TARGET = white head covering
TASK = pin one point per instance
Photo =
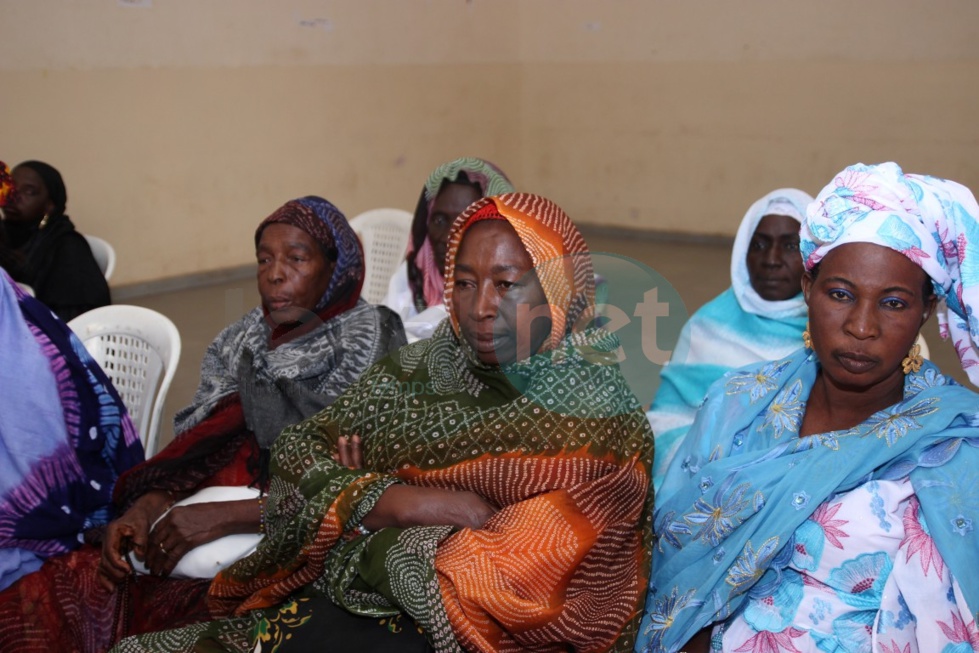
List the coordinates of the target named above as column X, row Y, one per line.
column 790, row 202
column 931, row 221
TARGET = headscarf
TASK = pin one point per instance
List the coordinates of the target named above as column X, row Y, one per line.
column 329, row 227
column 931, row 221
column 7, row 187
column 559, row 253
column 791, row 203
column 55, row 185
column 424, row 275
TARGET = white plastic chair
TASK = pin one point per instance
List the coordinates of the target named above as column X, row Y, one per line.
column 138, row 349
column 925, row 350
column 104, row 253
column 384, row 234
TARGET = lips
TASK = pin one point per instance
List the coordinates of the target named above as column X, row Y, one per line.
column 278, row 303
column 855, row 362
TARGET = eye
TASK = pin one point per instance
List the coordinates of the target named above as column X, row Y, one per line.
column 840, row 295
column 756, row 244
column 791, row 247
column 894, row 303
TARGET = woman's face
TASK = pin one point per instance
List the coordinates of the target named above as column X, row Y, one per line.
column 866, row 307
column 32, row 201
column 452, row 200
column 293, row 273
column 497, row 298
column 774, row 263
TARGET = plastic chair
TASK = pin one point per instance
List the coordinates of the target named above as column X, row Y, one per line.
column 384, row 234
column 138, row 349
column 104, row 253
column 925, row 350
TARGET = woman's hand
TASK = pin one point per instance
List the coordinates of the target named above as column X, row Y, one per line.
column 408, row 505
column 349, row 452
column 130, row 532
column 188, row 527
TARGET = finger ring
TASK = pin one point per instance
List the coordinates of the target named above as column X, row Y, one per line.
column 162, row 549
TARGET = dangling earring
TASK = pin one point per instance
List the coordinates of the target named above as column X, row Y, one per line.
column 914, row 360
column 44, row 221
column 807, row 338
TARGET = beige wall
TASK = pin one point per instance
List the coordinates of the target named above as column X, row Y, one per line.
column 179, row 125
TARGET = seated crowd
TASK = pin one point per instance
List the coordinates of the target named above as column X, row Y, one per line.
column 444, row 473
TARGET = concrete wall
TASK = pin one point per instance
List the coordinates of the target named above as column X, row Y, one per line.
column 180, row 124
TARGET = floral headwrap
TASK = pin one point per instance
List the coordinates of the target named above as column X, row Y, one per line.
column 329, row 227
column 933, row 222
column 561, row 257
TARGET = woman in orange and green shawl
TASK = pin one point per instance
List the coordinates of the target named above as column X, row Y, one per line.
column 488, row 487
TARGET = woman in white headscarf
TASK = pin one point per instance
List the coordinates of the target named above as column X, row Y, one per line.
column 760, row 317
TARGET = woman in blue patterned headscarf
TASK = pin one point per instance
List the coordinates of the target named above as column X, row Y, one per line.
column 830, row 500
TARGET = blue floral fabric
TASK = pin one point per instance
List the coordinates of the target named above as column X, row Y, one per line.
column 737, row 506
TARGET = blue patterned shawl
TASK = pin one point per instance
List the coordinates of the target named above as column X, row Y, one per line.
column 743, row 482
column 65, row 437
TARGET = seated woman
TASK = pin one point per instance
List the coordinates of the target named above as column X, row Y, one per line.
column 56, row 260
column 490, row 484
column 65, row 437
column 312, row 337
column 760, row 317
column 826, row 501
column 416, row 289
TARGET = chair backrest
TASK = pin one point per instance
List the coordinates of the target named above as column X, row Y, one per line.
column 384, row 234
column 104, row 253
column 925, row 349
column 138, row 349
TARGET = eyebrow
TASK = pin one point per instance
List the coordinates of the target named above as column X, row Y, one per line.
column 847, row 282
column 296, row 245
column 496, row 269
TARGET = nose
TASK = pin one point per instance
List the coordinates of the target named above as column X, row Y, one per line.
column 275, row 271
column 485, row 303
column 773, row 257
column 862, row 321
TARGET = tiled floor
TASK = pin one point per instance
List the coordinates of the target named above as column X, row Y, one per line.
column 698, row 271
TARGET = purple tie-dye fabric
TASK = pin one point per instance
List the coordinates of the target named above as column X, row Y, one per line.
column 65, row 437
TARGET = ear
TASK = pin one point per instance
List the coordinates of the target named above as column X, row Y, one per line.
column 807, row 282
column 930, row 303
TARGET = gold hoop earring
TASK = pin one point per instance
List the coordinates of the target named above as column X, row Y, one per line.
column 914, row 360
column 807, row 338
